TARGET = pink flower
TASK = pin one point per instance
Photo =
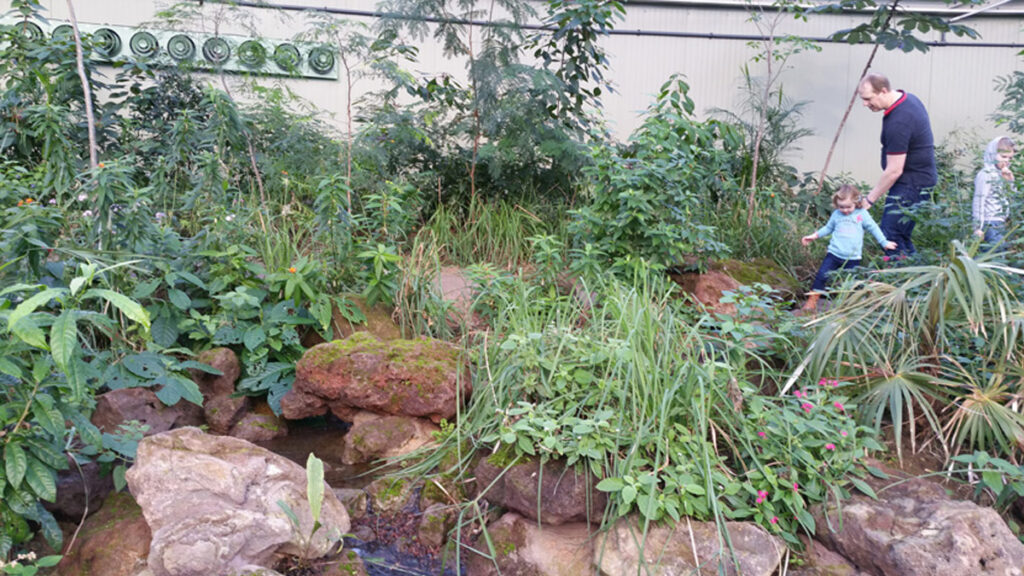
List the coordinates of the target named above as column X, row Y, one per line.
column 774, row 520
column 799, row 394
column 885, row 258
column 830, row 446
column 796, row 486
column 807, row 407
column 838, row 405
column 761, row 434
column 822, row 382
column 835, row 383
column 842, row 433
column 762, row 495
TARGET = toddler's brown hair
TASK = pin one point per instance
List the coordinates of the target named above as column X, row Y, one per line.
column 848, row 193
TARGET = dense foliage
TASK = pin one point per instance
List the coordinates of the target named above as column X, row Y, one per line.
column 208, row 222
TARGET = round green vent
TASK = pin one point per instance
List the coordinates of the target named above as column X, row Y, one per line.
column 252, row 54
column 106, row 43
column 216, row 50
column 144, row 44
column 31, row 31
column 63, row 33
column 287, row 57
column 321, row 60
column 181, row 47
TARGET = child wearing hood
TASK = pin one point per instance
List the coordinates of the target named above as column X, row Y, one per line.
column 991, row 189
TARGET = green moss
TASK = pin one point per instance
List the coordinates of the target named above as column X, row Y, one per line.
column 503, row 457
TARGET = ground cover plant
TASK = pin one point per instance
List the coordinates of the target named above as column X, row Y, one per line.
column 210, row 222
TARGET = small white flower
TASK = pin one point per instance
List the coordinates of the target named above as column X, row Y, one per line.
column 229, row 217
column 52, row 201
column 159, row 216
column 87, row 214
column 83, row 197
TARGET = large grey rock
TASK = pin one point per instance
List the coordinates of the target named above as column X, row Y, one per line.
column 688, row 547
column 423, row 378
column 565, row 495
column 212, row 503
column 915, row 529
column 376, row 437
column 521, row 548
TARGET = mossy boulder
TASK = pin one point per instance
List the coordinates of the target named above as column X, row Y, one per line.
column 378, row 437
column 545, row 491
column 388, row 496
column 763, row 271
column 113, row 542
column 425, row 378
column 522, row 548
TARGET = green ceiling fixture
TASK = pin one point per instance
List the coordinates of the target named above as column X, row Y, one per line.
column 197, row 50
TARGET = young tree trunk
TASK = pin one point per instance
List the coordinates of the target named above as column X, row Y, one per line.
column 90, row 118
column 853, row 98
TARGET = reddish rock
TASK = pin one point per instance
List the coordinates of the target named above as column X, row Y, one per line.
column 708, row 288
column 112, row 542
column 564, row 493
column 423, row 378
column 119, row 406
column 221, row 409
column 73, row 483
column 260, row 425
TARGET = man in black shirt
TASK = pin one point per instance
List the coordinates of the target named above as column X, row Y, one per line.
column 908, row 157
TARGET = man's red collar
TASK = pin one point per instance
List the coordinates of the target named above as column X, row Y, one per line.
column 896, row 103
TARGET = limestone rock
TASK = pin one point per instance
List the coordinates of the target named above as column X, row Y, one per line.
column 376, row 437
column 820, row 561
column 354, row 500
column 915, row 529
column 564, row 493
column 389, row 496
column 423, row 378
column 524, row 549
column 119, row 406
column 113, row 542
column 212, row 503
column 670, row 549
column 435, row 522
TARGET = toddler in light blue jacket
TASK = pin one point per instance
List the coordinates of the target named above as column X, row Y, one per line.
column 847, row 224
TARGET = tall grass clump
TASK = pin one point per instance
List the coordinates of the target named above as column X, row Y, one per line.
column 659, row 405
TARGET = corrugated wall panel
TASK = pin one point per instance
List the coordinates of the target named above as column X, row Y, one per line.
column 956, row 83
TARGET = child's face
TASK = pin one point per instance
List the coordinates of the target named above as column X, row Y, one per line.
column 1003, row 158
column 846, row 206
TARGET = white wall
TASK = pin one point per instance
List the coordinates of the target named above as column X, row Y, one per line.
column 955, row 83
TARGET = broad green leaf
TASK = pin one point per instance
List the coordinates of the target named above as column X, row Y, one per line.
column 64, row 339
column 628, row 494
column 49, row 561
column 30, row 333
column 145, row 365
column 76, row 284
column 47, row 416
column 179, row 299
column 49, row 527
column 611, row 485
column 15, row 463
column 863, row 487
column 31, row 304
column 165, row 330
column 41, row 479
column 315, row 485
column 130, row 308
column 10, row 368
column 175, row 387
column 993, row 479
column 254, row 337
column 119, row 479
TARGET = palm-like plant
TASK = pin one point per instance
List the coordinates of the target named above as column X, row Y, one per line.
column 899, row 334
